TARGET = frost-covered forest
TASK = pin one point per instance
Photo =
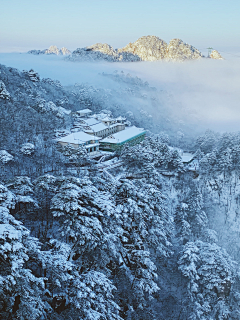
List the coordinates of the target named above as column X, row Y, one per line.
column 152, row 239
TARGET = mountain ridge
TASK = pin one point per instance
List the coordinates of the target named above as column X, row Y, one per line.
column 146, row 48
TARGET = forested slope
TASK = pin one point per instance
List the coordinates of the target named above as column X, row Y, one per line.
column 149, row 240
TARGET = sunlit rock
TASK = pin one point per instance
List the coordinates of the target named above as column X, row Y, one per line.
column 178, row 50
column 216, row 55
column 147, row 48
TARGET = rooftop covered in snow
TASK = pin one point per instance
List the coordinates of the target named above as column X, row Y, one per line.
column 97, row 127
column 187, row 157
column 78, row 137
column 91, row 121
column 84, row 111
column 124, row 135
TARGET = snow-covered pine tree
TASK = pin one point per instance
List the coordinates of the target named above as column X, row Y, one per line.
column 210, row 274
column 4, row 94
column 146, row 233
column 20, row 290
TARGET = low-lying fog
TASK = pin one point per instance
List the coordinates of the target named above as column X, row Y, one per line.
column 209, row 88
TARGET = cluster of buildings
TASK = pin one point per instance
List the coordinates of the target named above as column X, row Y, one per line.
column 100, row 132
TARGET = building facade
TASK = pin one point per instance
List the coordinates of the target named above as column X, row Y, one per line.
column 77, row 139
column 131, row 135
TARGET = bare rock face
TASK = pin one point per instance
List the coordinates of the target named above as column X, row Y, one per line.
column 177, row 50
column 147, row 48
column 216, row 55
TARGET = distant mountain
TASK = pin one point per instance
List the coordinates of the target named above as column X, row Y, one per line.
column 146, row 48
column 52, row 50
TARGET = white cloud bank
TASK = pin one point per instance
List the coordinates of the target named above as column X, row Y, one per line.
column 210, row 88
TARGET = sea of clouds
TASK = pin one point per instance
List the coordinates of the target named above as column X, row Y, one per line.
column 209, row 88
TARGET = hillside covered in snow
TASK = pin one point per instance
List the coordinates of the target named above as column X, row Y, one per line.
column 140, row 233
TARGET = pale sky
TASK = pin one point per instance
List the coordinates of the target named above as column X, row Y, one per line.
column 37, row 24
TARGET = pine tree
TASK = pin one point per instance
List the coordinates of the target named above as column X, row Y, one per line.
column 20, row 290
column 4, row 94
column 210, row 275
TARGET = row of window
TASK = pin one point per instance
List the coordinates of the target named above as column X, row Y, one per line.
column 92, row 149
column 108, row 131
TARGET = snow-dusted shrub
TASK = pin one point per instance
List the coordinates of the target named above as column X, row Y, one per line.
column 33, row 75
column 5, row 157
column 27, row 148
column 43, row 106
column 55, row 83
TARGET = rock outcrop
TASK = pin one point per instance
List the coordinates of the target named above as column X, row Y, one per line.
column 178, row 50
column 216, row 55
column 147, row 48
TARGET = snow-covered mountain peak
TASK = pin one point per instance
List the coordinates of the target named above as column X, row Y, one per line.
column 178, row 50
column 147, row 48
